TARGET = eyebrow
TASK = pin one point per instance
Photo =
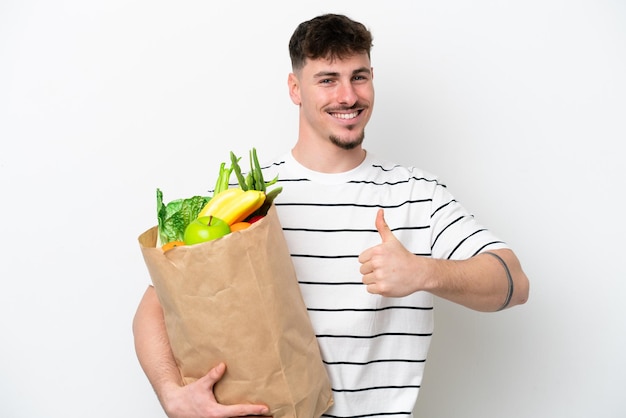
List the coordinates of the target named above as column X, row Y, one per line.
column 336, row 74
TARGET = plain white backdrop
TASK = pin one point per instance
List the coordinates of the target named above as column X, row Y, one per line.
column 518, row 106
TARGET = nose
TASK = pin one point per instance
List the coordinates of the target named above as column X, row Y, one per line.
column 346, row 94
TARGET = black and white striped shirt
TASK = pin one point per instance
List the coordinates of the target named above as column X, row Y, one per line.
column 374, row 347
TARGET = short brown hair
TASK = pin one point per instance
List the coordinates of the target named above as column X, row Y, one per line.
column 329, row 36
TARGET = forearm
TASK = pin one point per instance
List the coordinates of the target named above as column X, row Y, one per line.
column 481, row 282
column 152, row 345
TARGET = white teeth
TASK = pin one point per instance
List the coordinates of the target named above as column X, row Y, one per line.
column 346, row 115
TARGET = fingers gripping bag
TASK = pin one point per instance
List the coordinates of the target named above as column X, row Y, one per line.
column 236, row 300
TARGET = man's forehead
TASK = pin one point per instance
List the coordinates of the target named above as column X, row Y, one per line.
column 349, row 64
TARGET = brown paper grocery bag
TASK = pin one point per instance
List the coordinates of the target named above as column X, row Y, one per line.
column 236, row 299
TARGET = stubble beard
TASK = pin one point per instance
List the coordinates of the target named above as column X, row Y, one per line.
column 347, row 144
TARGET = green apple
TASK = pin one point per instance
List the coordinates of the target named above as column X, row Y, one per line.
column 205, row 228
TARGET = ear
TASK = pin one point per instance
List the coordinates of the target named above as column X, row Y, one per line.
column 294, row 89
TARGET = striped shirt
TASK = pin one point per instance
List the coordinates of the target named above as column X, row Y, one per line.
column 374, row 347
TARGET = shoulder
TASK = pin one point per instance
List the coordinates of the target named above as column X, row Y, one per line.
column 391, row 171
column 275, row 165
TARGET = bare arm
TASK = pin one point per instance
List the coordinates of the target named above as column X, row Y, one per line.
column 155, row 356
column 481, row 283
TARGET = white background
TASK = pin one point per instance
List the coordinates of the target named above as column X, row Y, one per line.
column 518, row 106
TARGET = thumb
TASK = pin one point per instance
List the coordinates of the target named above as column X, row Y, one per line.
column 382, row 227
column 215, row 374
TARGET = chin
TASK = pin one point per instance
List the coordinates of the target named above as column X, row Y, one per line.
column 348, row 144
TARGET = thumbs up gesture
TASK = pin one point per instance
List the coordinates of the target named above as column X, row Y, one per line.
column 388, row 268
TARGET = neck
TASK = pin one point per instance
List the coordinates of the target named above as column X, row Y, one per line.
column 328, row 158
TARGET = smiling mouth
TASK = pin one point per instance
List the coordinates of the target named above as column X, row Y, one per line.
column 345, row 116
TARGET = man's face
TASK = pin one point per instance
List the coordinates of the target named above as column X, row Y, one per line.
column 336, row 99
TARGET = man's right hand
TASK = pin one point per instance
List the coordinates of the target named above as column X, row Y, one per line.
column 196, row 400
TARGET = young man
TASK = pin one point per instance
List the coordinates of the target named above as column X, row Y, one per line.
column 371, row 242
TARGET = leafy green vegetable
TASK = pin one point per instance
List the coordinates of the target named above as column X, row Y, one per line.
column 174, row 217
